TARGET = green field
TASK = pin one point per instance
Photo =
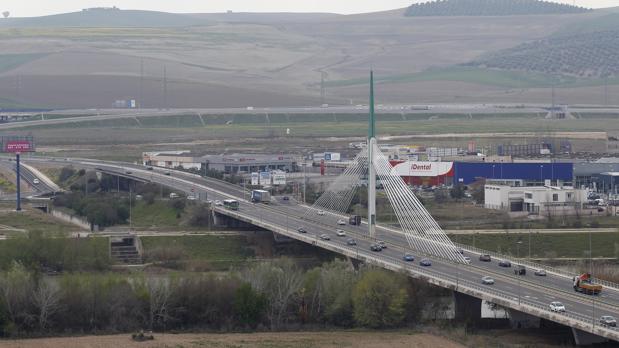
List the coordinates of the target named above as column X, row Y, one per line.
column 128, row 131
column 11, row 61
column 34, row 221
column 565, row 245
column 154, row 216
column 499, row 78
column 203, row 252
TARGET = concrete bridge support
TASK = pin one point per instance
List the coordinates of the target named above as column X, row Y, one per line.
column 583, row 338
column 468, row 308
column 520, row 320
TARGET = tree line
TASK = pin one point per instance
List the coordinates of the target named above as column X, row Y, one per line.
column 589, row 55
column 490, row 8
column 269, row 296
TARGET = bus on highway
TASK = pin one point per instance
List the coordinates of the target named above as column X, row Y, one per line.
column 231, row 204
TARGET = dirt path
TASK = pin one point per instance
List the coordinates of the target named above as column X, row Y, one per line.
column 257, row 340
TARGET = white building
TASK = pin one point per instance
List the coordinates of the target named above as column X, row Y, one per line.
column 171, row 159
column 538, row 200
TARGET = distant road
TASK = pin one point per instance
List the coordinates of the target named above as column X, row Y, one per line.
column 536, row 230
column 111, row 114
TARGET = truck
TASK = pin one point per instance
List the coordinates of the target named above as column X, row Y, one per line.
column 354, row 220
column 260, row 196
column 582, row 283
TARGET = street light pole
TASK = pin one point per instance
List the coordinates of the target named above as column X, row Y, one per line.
column 518, row 270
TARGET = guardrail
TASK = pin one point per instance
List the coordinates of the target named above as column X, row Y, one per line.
column 534, row 265
column 439, row 278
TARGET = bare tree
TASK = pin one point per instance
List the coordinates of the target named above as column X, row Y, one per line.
column 159, row 293
column 15, row 288
column 46, row 298
column 280, row 281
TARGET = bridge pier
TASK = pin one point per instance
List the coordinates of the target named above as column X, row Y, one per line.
column 583, row 338
column 520, row 320
column 468, row 308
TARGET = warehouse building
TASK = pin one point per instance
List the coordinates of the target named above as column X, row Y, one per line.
column 587, row 174
column 171, row 159
column 230, row 164
column 250, row 163
column 465, row 173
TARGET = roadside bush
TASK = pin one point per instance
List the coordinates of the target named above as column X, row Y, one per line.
column 249, row 306
column 379, row 300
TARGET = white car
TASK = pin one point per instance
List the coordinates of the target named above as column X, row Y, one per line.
column 36, row 181
column 487, row 280
column 340, row 233
column 321, row 212
column 218, row 203
column 341, row 222
column 557, row 306
column 467, row 259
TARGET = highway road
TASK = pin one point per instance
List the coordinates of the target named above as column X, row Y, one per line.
column 112, row 114
column 38, row 185
column 531, row 294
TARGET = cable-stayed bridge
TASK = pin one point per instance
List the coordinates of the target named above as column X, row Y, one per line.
column 453, row 266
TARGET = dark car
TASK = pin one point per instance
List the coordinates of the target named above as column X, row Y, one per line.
column 376, row 247
column 301, row 230
column 485, row 258
column 166, row 173
column 608, row 320
column 505, row 263
column 520, row 270
column 382, row 244
column 425, row 262
column 351, row 242
column 128, row 172
column 325, row 236
column 149, row 168
column 408, row 257
column 286, row 198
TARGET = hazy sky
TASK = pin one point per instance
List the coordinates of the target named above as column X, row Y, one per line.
column 26, row 8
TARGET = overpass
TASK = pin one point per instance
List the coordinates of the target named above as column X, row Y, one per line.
column 528, row 294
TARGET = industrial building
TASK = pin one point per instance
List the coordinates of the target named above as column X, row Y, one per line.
column 539, row 200
column 607, row 183
column 230, row 164
column 171, row 159
column 588, row 174
column 465, row 173
column 250, row 163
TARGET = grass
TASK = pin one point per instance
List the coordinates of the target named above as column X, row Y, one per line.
column 499, row 78
column 546, row 245
column 132, row 133
column 157, row 215
column 208, row 251
column 34, row 221
column 11, row 61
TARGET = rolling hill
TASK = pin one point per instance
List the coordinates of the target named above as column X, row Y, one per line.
column 83, row 59
column 586, row 55
column 490, row 8
column 106, row 18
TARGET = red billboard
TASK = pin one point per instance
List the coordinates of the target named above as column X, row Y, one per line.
column 18, row 146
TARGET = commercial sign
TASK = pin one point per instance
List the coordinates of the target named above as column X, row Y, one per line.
column 279, row 178
column 255, row 179
column 17, row 144
column 429, row 169
column 265, row 178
